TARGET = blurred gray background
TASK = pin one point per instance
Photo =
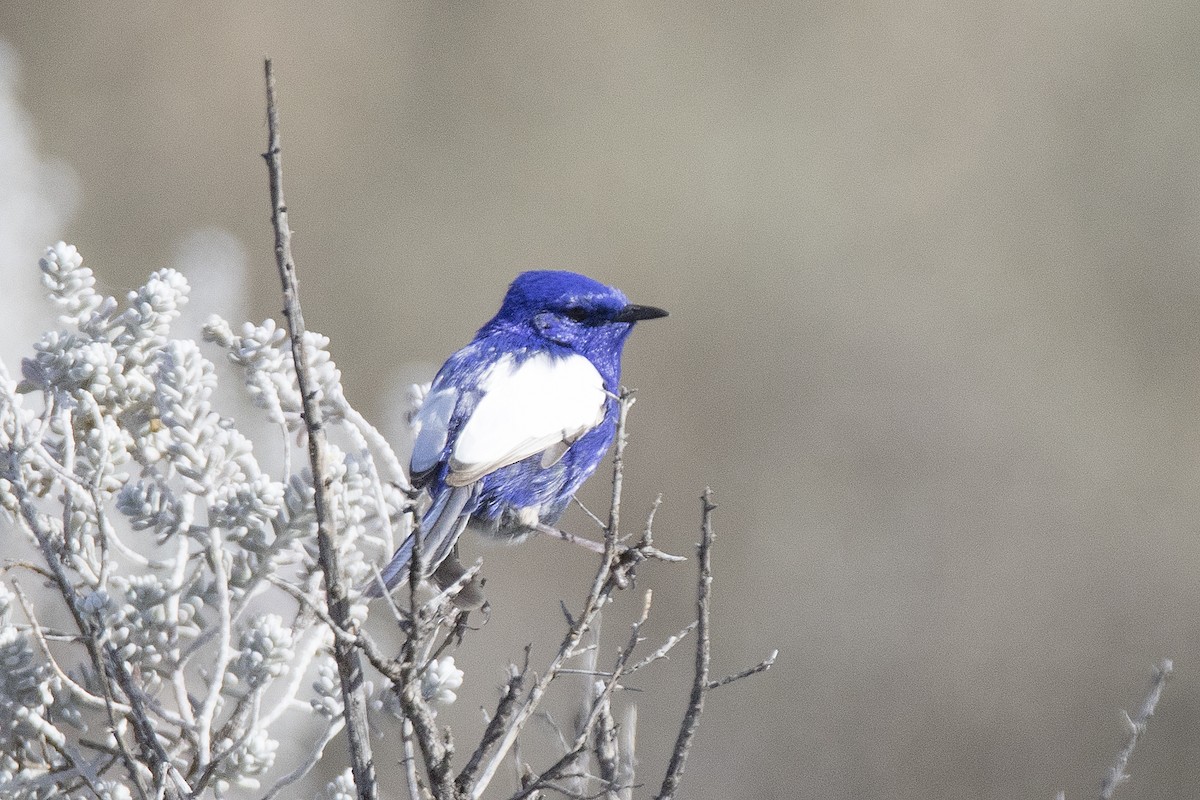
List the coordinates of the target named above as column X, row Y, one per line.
column 934, row 335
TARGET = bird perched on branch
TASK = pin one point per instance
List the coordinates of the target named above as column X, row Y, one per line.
column 517, row 420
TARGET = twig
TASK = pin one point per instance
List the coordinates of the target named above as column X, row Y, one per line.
column 307, row 602
column 569, row 538
column 599, row 522
column 309, row 763
column 348, row 662
column 662, row 651
column 599, row 707
column 761, row 666
column 81, row 694
column 624, row 403
column 242, row 719
column 578, row 783
column 58, row 780
column 405, row 675
column 435, row 750
column 691, row 719
column 627, row 768
column 304, row 652
column 604, row 746
column 1137, row 726
column 638, row 552
column 178, row 678
column 416, row 791
column 207, row 713
column 496, row 726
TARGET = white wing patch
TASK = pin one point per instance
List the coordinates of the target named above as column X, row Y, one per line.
column 431, row 424
column 544, row 403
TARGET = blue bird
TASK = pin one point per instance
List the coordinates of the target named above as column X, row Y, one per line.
column 517, row 420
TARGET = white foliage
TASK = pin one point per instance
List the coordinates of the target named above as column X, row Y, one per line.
column 116, row 461
column 71, row 285
column 248, row 758
column 340, row 788
column 27, row 727
column 265, row 651
column 327, row 691
column 441, row 680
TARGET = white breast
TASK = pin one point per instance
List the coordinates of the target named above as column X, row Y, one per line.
column 542, row 403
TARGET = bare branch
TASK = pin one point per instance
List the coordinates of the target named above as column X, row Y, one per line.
column 436, row 750
column 499, row 722
column 624, row 403
column 640, row 552
column 599, row 707
column 627, row 768
column 416, row 789
column 309, row 763
column 761, row 666
column 662, row 651
column 569, row 538
column 599, row 522
column 691, row 719
column 347, row 657
column 1137, row 726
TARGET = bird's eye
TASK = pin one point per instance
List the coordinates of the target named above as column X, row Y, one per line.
column 576, row 314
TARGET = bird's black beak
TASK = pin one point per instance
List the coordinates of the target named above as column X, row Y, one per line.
column 633, row 313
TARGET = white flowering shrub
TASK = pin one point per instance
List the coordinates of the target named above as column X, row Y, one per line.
column 167, row 541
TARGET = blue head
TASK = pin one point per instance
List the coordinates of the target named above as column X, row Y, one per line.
column 573, row 312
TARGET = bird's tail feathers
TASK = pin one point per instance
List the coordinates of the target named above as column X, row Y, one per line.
column 440, row 529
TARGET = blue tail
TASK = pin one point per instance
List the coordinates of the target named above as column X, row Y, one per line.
column 440, row 529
